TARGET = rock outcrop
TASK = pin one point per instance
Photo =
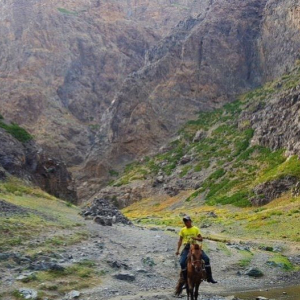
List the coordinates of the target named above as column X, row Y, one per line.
column 31, row 163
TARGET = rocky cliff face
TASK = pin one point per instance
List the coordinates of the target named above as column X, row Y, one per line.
column 279, row 39
column 30, row 163
column 102, row 82
column 62, row 62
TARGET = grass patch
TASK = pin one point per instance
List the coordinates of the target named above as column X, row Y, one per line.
column 78, row 276
column 16, row 131
column 246, row 259
column 224, row 249
column 280, row 261
column 67, row 12
column 41, row 213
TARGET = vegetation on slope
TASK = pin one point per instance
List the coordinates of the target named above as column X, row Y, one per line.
column 15, row 130
column 40, row 224
column 231, row 167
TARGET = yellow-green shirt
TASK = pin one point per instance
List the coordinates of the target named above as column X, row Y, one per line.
column 188, row 233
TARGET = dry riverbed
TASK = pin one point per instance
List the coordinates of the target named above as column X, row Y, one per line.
column 131, row 262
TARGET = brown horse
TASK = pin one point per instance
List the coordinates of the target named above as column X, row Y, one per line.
column 195, row 272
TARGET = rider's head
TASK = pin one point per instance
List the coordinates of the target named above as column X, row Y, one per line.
column 187, row 221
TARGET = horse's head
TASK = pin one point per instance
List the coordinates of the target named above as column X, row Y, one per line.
column 196, row 257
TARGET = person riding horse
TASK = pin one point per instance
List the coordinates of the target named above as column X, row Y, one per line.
column 190, row 235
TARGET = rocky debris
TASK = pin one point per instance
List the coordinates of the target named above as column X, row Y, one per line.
column 212, row 214
column 28, row 293
column 118, row 265
column 46, row 266
column 254, row 272
column 270, row 190
column 8, row 209
column 261, row 298
column 104, row 213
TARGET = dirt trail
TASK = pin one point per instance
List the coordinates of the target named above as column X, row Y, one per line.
column 140, row 264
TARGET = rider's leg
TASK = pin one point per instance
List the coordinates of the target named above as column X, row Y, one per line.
column 208, row 268
column 183, row 262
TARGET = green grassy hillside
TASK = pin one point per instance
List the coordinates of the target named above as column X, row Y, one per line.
column 231, row 167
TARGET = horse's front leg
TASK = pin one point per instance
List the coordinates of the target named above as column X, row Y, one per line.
column 197, row 290
column 191, row 290
column 187, row 293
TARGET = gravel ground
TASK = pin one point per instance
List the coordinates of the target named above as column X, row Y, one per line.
column 141, row 264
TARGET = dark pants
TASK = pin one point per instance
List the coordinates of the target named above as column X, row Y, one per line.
column 184, row 255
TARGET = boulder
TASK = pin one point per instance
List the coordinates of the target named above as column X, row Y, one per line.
column 254, row 272
column 104, row 221
column 200, row 134
column 185, row 159
column 73, row 295
column 124, row 276
column 28, row 293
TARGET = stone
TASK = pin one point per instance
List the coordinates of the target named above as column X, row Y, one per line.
column 200, row 134
column 261, row 298
column 104, row 221
column 28, row 293
column 254, row 272
column 124, row 276
column 73, row 295
column 185, row 159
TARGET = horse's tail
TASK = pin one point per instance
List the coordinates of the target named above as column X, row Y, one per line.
column 179, row 286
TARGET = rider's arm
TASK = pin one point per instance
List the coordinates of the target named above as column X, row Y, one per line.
column 198, row 238
column 179, row 245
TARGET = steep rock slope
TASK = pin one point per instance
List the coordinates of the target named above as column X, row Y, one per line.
column 21, row 157
column 62, row 61
column 204, row 63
